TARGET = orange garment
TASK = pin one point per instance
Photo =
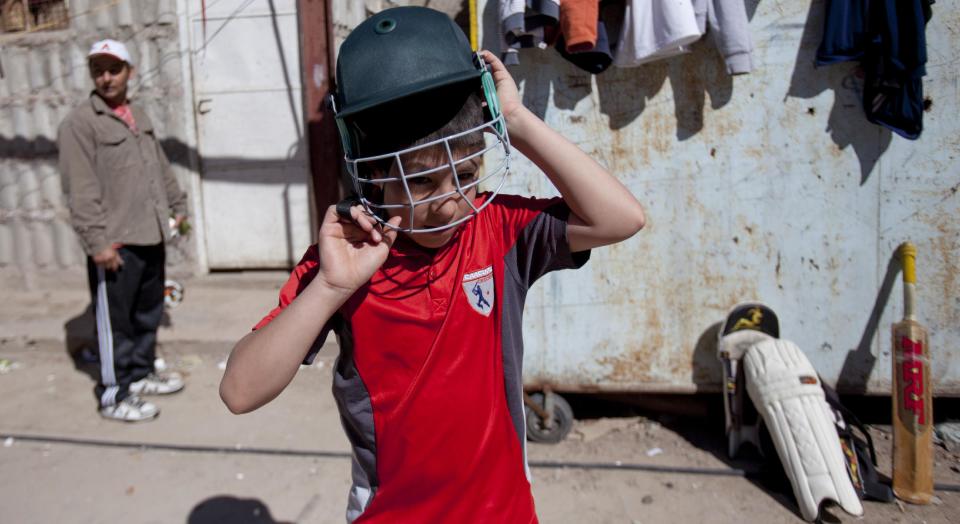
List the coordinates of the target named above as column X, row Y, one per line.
column 578, row 23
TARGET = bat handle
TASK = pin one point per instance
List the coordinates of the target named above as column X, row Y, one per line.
column 908, row 260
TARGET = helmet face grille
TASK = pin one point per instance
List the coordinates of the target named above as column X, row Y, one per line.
column 493, row 154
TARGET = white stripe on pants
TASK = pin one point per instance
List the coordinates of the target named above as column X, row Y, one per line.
column 108, row 376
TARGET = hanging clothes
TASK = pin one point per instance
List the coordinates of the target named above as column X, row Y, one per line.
column 729, row 29
column 596, row 60
column 889, row 39
column 844, row 32
column 525, row 24
column 583, row 39
column 578, row 24
column 895, row 64
column 655, row 29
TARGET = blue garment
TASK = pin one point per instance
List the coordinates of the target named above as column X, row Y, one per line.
column 894, row 65
column 888, row 38
column 844, row 32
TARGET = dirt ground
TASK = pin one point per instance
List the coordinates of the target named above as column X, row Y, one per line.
column 60, row 462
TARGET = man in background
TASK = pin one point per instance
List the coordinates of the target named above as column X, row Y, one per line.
column 121, row 194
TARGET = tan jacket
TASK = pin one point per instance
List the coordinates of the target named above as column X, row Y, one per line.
column 119, row 184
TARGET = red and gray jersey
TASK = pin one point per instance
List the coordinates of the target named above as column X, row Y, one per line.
column 428, row 380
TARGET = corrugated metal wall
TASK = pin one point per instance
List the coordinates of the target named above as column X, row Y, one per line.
column 44, row 76
column 768, row 186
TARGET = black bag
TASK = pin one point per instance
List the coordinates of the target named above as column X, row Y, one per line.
column 860, row 455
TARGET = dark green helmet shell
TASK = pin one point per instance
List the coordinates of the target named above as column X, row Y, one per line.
column 399, row 52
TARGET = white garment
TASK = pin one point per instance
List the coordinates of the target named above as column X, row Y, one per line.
column 729, row 26
column 655, row 29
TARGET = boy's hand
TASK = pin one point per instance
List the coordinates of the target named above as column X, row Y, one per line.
column 506, row 87
column 352, row 250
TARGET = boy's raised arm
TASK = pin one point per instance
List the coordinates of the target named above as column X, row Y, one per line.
column 603, row 210
column 263, row 362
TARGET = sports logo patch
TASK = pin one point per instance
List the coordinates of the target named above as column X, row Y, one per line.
column 478, row 288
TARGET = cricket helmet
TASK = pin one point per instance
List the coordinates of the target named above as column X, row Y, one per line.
column 403, row 74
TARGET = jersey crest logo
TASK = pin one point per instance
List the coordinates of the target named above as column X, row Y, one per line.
column 478, row 289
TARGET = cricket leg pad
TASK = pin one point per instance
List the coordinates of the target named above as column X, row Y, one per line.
column 785, row 388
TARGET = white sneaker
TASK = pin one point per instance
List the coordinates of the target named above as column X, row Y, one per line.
column 157, row 384
column 130, row 409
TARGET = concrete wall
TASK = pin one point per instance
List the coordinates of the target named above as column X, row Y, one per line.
column 768, row 186
column 44, row 76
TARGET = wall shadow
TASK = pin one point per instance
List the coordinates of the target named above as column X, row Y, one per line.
column 224, row 508
column 706, row 372
column 860, row 361
column 847, row 123
column 283, row 171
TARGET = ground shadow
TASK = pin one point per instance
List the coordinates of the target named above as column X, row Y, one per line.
column 859, row 363
column 699, row 420
column 847, row 123
column 80, row 343
column 224, row 508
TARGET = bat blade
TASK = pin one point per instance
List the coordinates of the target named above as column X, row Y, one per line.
column 912, row 414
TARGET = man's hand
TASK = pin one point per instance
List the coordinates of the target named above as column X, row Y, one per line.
column 352, row 250
column 108, row 259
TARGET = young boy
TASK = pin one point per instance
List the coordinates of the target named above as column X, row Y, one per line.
column 423, row 281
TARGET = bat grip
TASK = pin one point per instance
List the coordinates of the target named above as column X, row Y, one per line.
column 908, row 260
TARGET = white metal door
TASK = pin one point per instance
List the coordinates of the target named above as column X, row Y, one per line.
column 254, row 162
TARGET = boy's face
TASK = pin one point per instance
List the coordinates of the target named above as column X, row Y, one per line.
column 438, row 212
column 110, row 76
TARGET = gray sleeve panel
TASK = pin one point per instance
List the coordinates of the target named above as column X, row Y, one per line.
column 356, row 415
column 541, row 247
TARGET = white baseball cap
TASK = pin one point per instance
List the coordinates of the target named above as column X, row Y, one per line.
column 112, row 48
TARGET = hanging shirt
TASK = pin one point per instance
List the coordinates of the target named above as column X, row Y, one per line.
column 895, row 64
column 428, row 380
column 594, row 61
column 655, row 29
column 889, row 39
column 728, row 26
column 578, row 24
column 525, row 24
column 844, row 32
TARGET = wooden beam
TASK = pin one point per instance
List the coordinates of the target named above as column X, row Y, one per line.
column 317, row 56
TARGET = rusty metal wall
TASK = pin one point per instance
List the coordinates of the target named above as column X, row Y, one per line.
column 769, row 186
column 44, row 76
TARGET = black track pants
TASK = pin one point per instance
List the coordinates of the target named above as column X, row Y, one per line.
column 129, row 305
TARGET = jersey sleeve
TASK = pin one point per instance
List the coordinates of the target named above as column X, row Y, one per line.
column 538, row 230
column 300, row 278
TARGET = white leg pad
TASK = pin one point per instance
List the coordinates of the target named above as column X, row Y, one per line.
column 787, row 393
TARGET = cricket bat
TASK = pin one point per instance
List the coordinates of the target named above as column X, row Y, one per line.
column 912, row 397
